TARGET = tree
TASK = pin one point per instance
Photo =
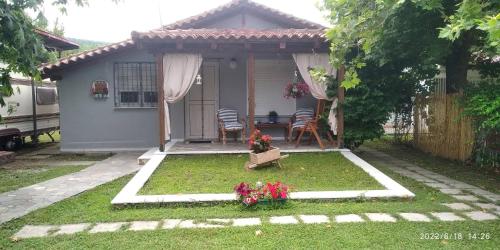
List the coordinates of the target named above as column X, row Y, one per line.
column 21, row 49
column 459, row 28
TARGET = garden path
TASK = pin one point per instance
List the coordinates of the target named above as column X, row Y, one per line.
column 16, row 203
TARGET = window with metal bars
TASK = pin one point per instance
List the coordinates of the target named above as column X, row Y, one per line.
column 135, row 84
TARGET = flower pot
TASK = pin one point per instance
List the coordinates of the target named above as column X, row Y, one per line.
column 270, row 155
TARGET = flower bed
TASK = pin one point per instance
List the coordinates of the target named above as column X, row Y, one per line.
column 269, row 195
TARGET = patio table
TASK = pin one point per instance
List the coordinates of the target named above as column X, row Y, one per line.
column 266, row 125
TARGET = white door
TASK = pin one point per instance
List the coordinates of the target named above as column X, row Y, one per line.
column 202, row 103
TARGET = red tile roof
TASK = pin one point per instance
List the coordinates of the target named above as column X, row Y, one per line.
column 101, row 51
column 231, row 34
column 236, row 5
column 52, row 40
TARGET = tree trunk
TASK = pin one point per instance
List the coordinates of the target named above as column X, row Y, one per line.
column 457, row 63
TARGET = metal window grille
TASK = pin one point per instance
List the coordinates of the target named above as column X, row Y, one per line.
column 135, row 84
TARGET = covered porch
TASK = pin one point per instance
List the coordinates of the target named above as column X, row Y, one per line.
column 223, row 45
column 185, row 148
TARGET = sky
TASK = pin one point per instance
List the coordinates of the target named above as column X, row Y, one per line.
column 107, row 21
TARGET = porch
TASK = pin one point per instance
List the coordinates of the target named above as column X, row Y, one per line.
column 196, row 148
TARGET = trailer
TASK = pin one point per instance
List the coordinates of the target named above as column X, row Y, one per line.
column 17, row 115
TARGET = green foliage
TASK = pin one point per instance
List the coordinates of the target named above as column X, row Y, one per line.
column 482, row 102
column 362, row 24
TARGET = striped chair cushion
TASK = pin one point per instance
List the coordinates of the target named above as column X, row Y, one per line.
column 302, row 116
column 227, row 115
column 233, row 125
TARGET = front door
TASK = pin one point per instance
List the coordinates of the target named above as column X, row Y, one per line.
column 202, row 103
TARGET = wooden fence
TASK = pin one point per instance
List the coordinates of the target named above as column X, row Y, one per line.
column 440, row 129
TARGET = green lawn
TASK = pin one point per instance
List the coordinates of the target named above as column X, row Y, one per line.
column 453, row 169
column 220, row 173
column 12, row 179
column 94, row 206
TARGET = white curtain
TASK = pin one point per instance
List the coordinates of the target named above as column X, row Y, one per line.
column 179, row 73
column 306, row 61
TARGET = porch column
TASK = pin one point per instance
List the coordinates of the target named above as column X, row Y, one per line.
column 340, row 108
column 161, row 100
column 251, row 91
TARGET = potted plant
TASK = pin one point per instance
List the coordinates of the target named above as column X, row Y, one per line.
column 271, row 194
column 273, row 117
column 262, row 151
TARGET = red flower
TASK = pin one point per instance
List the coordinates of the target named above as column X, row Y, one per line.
column 272, row 190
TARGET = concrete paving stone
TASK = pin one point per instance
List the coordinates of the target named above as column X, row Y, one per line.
column 494, row 198
column 380, row 217
column 30, row 231
column 192, row 224
column 107, row 227
column 143, row 225
column 465, row 197
column 347, row 218
column 450, row 191
column 446, row 216
column 283, row 220
column 480, row 215
column 458, row 206
column 72, row 228
column 216, row 220
column 487, row 206
column 415, row 217
column 437, row 185
column 461, row 185
column 314, row 219
column 243, row 222
column 170, row 223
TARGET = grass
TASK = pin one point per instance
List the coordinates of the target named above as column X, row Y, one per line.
column 12, row 179
column 94, row 206
column 453, row 169
column 220, row 173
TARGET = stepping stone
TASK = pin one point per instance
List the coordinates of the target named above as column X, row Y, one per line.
column 348, row 218
column 106, row 227
column 487, row 206
column 415, row 217
column 450, row 191
column 170, row 223
column 437, row 185
column 72, row 228
column 462, row 185
column 380, row 217
column 225, row 221
column 481, row 192
column 465, row 197
column 243, row 222
column 283, row 220
column 29, row 231
column 191, row 224
column 458, row 206
column 447, row 216
column 480, row 216
column 143, row 225
column 494, row 197
column 314, row 219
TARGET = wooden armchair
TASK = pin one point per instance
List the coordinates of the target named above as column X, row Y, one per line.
column 299, row 120
column 305, row 120
column 228, row 122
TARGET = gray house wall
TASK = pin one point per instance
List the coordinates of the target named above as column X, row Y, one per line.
column 88, row 124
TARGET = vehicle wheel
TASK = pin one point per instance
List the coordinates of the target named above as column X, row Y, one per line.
column 10, row 145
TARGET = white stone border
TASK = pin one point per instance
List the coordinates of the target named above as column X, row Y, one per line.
column 129, row 194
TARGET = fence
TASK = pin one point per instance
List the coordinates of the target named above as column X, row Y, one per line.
column 439, row 127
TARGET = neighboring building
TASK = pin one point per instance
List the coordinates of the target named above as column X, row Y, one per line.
column 17, row 114
column 247, row 53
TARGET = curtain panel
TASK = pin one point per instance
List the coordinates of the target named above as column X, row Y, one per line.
column 307, row 61
column 179, row 73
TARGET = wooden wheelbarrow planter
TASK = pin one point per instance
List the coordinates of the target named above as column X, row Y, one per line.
column 265, row 158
